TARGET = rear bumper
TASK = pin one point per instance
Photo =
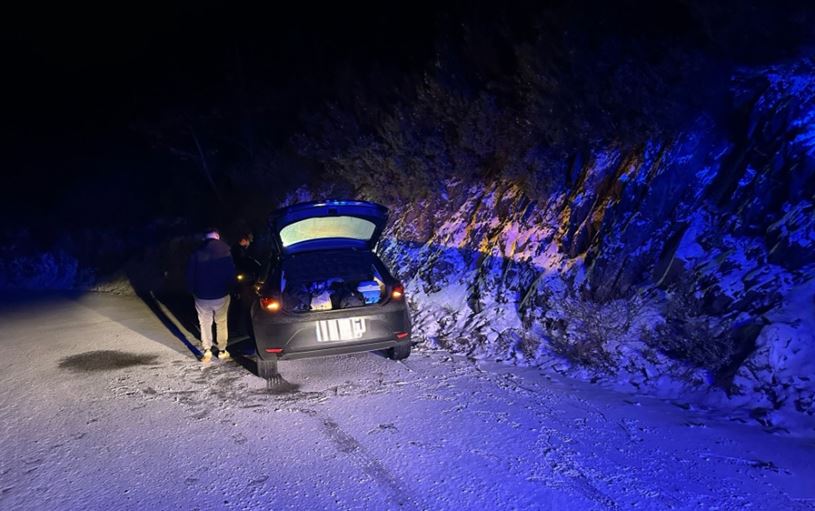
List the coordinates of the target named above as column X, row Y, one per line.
column 327, row 351
column 292, row 336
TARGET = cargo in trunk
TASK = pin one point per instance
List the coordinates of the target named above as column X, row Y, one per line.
column 330, row 280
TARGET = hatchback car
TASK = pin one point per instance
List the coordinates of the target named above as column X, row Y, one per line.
column 324, row 291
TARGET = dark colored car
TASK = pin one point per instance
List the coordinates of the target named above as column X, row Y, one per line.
column 324, row 291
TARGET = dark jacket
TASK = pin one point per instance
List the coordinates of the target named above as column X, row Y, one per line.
column 243, row 261
column 211, row 271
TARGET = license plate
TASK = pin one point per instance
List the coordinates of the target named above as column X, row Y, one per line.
column 345, row 329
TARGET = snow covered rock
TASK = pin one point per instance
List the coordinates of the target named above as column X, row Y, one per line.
column 778, row 375
column 669, row 266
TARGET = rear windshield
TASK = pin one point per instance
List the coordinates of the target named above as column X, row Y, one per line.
column 348, row 227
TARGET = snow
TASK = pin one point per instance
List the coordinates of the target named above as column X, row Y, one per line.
column 785, row 348
column 798, row 225
column 689, row 248
column 46, row 270
column 102, row 407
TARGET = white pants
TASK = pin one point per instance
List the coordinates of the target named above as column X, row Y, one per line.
column 207, row 311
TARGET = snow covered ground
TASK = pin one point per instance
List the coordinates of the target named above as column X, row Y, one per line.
column 101, row 407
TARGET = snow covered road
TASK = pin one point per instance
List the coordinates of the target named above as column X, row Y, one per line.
column 101, row 407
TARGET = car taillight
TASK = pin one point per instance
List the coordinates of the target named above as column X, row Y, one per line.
column 398, row 292
column 270, row 304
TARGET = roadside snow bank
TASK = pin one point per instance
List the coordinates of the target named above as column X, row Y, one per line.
column 46, row 270
column 777, row 379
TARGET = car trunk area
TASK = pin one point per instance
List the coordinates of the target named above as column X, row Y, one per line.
column 330, row 280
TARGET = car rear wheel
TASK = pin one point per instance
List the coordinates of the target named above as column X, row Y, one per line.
column 267, row 368
column 400, row 351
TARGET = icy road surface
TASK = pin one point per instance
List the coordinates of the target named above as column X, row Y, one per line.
column 101, row 407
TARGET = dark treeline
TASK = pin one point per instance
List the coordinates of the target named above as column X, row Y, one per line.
column 212, row 113
column 519, row 92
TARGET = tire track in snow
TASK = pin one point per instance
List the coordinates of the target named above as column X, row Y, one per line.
column 225, row 386
column 350, row 447
column 553, row 447
column 561, row 460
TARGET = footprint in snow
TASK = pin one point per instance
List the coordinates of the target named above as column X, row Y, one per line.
column 390, row 427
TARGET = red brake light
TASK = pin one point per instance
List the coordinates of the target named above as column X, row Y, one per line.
column 397, row 292
column 270, row 304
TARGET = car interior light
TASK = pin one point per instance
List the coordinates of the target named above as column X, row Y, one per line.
column 398, row 292
column 274, row 350
column 401, row 335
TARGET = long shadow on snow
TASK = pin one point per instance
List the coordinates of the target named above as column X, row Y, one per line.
column 158, row 279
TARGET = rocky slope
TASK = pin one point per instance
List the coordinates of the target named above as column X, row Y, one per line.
column 685, row 262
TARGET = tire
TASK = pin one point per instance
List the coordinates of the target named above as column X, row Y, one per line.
column 267, row 368
column 400, row 351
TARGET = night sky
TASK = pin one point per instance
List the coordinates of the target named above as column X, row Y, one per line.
column 82, row 86
column 78, row 82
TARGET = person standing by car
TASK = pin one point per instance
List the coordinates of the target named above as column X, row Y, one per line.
column 210, row 278
column 247, row 266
